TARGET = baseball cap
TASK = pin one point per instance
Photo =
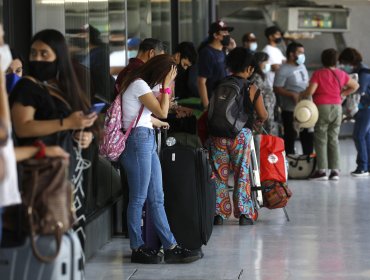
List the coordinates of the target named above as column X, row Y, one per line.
column 133, row 42
column 219, row 26
column 249, row 37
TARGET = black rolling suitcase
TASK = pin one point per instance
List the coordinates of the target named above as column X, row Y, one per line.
column 189, row 197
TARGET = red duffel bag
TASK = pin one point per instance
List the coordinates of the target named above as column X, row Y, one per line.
column 272, row 159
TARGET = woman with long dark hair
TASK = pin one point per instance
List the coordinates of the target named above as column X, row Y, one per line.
column 141, row 162
column 49, row 105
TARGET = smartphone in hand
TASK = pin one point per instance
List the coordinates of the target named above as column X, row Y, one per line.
column 97, row 108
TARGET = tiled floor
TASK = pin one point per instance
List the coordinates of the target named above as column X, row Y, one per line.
column 328, row 237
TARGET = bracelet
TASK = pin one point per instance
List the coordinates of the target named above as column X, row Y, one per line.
column 42, row 149
column 165, row 90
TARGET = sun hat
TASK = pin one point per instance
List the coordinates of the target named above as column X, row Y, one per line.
column 306, row 114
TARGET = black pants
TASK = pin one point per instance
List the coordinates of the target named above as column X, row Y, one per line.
column 290, row 134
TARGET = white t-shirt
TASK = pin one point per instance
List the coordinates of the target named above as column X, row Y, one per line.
column 131, row 104
column 9, row 193
column 275, row 57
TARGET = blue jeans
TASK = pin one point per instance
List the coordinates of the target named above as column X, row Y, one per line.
column 144, row 175
column 361, row 136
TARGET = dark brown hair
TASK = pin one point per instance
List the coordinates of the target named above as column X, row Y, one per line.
column 152, row 72
column 67, row 79
column 350, row 56
column 329, row 57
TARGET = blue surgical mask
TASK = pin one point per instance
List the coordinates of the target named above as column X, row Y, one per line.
column 11, row 80
column 301, row 59
column 132, row 53
column 253, row 46
column 267, row 68
column 348, row 68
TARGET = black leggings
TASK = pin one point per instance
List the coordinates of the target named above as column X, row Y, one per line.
column 290, row 135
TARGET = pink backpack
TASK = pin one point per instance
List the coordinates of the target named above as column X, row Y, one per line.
column 113, row 141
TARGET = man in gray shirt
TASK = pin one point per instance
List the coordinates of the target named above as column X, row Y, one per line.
column 290, row 80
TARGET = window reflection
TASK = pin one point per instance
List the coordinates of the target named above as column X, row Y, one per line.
column 149, row 19
column 192, row 21
column 117, row 36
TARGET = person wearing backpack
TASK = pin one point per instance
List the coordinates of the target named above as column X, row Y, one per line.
column 141, row 162
column 351, row 60
column 230, row 148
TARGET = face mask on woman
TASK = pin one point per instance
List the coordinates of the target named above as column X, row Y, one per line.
column 43, row 70
column 300, row 59
column 11, row 80
column 347, row 68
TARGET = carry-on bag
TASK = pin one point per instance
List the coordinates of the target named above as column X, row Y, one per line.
column 275, row 194
column 301, row 166
column 272, row 158
column 189, row 197
column 19, row 263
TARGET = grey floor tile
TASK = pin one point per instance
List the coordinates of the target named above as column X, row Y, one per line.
column 327, row 239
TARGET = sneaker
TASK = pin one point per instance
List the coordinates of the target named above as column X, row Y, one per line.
column 218, row 220
column 245, row 221
column 145, row 255
column 360, row 173
column 334, row 175
column 319, row 176
column 181, row 255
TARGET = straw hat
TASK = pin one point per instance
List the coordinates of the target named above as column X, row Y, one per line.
column 306, row 114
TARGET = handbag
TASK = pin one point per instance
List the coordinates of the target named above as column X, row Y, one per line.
column 47, row 203
column 301, row 166
column 113, row 140
column 275, row 194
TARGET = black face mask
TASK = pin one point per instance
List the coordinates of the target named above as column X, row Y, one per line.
column 226, row 40
column 278, row 40
column 43, row 70
column 180, row 69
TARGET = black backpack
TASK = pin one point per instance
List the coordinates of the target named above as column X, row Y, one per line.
column 227, row 114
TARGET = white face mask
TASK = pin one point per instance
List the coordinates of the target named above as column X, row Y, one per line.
column 253, row 46
column 267, row 68
column 132, row 53
column 5, row 57
column 301, row 59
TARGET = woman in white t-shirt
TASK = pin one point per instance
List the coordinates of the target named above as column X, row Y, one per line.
column 141, row 162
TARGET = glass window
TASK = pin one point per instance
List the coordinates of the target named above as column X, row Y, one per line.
column 192, row 22
column 149, row 19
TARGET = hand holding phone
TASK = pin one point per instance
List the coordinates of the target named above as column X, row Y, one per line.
column 97, row 108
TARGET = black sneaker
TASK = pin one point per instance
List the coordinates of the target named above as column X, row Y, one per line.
column 145, row 255
column 360, row 173
column 245, row 221
column 218, row 220
column 181, row 255
column 334, row 175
